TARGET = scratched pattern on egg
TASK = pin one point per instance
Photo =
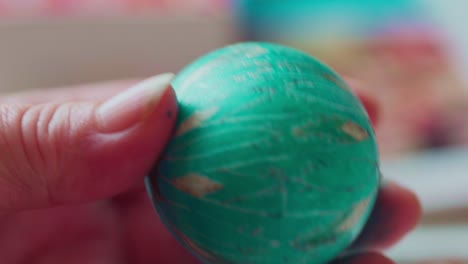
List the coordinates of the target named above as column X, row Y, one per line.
column 277, row 206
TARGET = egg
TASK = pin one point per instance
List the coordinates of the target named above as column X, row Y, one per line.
column 273, row 159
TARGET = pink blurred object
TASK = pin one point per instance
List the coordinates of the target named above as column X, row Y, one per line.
column 420, row 92
column 14, row 8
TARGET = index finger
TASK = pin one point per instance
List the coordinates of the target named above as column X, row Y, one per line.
column 397, row 212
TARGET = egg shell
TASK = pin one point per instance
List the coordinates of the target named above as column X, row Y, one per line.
column 273, row 159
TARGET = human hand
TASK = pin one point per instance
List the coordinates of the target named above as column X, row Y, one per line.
column 72, row 163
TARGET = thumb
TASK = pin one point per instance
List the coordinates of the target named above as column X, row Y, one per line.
column 69, row 152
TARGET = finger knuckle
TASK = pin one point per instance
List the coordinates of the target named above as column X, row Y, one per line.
column 26, row 151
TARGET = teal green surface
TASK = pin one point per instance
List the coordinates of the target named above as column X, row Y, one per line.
column 273, row 160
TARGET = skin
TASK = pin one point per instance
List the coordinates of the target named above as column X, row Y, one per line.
column 91, row 207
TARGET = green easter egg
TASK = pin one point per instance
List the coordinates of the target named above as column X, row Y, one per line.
column 273, row 160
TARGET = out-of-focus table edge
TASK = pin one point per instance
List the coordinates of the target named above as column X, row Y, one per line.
column 453, row 216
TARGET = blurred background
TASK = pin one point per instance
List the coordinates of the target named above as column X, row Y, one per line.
column 412, row 55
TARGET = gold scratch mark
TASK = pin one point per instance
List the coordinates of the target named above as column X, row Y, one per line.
column 299, row 132
column 355, row 130
column 275, row 243
column 196, row 120
column 197, row 249
column 302, row 130
column 192, row 245
column 356, row 215
column 197, row 185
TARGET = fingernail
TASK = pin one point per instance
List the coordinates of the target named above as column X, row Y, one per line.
column 133, row 105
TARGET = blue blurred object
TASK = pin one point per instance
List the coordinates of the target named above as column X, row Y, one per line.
column 306, row 20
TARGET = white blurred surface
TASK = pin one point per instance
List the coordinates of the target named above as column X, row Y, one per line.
column 440, row 178
column 433, row 242
column 450, row 16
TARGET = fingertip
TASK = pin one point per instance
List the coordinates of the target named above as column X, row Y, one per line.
column 112, row 163
column 406, row 205
column 129, row 156
column 133, row 105
column 397, row 212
